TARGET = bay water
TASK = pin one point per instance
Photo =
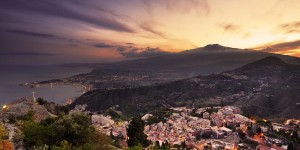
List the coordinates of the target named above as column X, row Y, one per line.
column 11, row 76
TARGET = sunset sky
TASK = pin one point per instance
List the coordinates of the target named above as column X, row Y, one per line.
column 111, row 30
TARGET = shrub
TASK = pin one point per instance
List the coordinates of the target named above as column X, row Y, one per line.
column 69, row 131
column 7, row 145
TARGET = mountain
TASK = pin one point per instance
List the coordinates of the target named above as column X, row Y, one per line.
column 213, row 48
column 210, row 59
column 213, row 58
column 270, row 61
column 267, row 88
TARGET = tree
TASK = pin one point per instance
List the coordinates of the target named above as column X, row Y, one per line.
column 249, row 128
column 290, row 146
column 29, row 116
column 137, row 147
column 135, row 133
column 250, row 132
column 75, row 131
column 45, row 147
column 198, row 136
column 64, row 109
column 75, row 128
column 34, row 134
column 183, row 145
column 241, row 134
column 258, row 130
column 65, row 145
column 167, row 145
column 156, row 146
column 294, row 134
column 3, row 132
column 114, row 114
column 41, row 101
column 163, row 146
column 111, row 135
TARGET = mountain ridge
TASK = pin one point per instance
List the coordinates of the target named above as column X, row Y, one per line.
column 233, row 87
column 172, row 67
column 210, row 49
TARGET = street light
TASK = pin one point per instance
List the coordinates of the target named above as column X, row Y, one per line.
column 4, row 107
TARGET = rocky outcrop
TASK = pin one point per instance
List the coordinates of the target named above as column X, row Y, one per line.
column 22, row 106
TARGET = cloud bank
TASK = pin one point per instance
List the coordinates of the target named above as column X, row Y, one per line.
column 131, row 52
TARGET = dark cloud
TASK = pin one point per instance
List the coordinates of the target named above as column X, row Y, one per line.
column 234, row 29
column 292, row 27
column 35, row 34
column 68, row 9
column 140, row 53
column 103, row 45
column 151, row 27
column 280, row 46
column 71, row 42
column 26, row 54
column 182, row 6
column 228, row 27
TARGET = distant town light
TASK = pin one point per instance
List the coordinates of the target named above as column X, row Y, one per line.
column 4, row 107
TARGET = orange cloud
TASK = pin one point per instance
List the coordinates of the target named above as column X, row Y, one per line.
column 286, row 48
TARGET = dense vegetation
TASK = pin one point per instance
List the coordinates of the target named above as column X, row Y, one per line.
column 52, row 107
column 160, row 115
column 64, row 132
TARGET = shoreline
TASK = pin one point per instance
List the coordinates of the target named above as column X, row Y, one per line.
column 57, row 82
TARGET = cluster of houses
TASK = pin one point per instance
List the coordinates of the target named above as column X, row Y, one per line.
column 214, row 144
column 182, row 127
column 202, row 128
column 177, row 129
column 109, row 127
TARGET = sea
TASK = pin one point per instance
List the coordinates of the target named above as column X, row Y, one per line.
column 11, row 76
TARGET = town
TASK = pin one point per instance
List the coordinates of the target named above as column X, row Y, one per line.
column 212, row 127
column 205, row 128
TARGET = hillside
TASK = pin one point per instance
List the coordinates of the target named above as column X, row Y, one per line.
column 211, row 59
column 266, row 87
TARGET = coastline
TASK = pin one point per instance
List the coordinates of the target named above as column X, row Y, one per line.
column 60, row 78
column 84, row 87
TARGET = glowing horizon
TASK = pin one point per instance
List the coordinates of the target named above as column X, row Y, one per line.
column 86, row 31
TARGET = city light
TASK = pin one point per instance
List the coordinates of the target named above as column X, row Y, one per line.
column 4, row 107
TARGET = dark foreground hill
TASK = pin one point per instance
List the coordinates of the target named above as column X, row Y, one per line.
column 267, row 87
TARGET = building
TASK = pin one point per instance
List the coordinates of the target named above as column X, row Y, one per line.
column 206, row 115
column 102, row 120
column 227, row 131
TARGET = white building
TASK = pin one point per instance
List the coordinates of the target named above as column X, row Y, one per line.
column 102, row 120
